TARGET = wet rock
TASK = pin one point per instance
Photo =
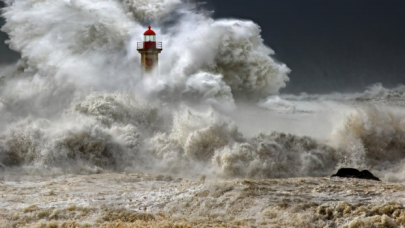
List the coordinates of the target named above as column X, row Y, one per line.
column 354, row 173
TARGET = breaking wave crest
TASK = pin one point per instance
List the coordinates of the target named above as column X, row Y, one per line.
column 375, row 136
column 118, row 132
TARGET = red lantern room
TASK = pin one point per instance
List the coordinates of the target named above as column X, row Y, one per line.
column 149, row 50
column 150, row 39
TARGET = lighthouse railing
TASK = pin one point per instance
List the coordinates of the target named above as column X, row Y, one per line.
column 159, row 45
column 149, row 45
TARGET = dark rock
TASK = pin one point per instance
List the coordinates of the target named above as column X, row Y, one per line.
column 347, row 172
column 354, row 173
column 365, row 174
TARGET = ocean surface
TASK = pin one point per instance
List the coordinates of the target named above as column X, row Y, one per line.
column 86, row 141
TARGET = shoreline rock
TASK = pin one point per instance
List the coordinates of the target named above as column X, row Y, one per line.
column 354, row 173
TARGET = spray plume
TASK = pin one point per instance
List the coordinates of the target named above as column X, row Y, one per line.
column 76, row 102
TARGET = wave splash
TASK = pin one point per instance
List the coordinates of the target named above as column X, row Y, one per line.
column 119, row 132
column 76, row 102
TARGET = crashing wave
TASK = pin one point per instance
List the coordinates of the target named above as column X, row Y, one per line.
column 93, row 44
column 76, row 99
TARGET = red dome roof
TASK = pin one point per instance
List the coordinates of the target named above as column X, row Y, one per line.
column 149, row 32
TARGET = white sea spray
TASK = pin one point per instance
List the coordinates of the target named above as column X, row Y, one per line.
column 76, row 100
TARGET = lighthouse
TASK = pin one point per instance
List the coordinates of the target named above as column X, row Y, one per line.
column 149, row 50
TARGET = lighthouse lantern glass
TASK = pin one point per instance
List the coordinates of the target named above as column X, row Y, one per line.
column 149, row 38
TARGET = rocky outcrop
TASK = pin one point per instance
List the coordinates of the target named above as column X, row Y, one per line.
column 354, row 173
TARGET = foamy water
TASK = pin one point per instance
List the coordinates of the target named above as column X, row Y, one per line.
column 142, row 200
column 75, row 114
